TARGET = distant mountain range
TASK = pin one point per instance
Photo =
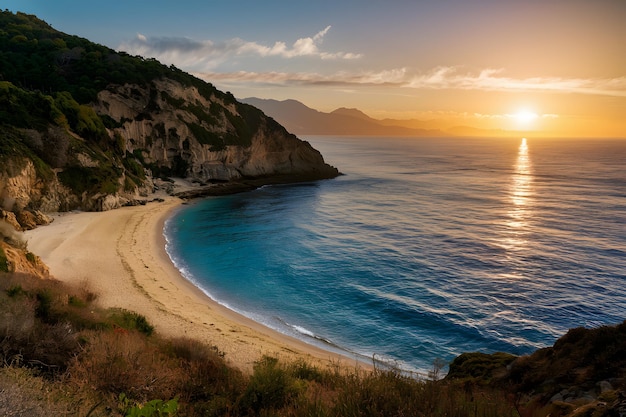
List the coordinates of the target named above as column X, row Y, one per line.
column 303, row 120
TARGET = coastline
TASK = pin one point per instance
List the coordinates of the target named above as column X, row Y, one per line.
column 120, row 255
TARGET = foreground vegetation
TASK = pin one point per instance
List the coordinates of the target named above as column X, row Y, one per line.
column 62, row 355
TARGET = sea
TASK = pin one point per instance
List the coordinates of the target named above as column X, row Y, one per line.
column 423, row 249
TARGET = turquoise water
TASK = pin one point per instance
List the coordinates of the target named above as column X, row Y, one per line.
column 424, row 249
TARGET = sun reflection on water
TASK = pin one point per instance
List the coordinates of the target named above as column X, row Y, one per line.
column 521, row 198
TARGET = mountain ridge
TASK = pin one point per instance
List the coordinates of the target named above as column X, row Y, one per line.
column 303, row 120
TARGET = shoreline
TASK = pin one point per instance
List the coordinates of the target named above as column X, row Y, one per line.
column 121, row 256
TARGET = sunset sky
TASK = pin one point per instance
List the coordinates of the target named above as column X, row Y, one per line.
column 549, row 67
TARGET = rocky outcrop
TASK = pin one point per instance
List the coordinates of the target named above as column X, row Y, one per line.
column 24, row 195
column 200, row 134
column 18, row 260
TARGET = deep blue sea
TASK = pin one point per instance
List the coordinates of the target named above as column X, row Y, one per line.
column 424, row 249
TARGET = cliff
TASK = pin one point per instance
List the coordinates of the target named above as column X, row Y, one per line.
column 85, row 127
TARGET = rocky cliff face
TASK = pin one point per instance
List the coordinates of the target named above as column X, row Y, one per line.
column 200, row 136
column 24, row 195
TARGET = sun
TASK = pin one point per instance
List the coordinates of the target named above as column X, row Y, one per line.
column 525, row 117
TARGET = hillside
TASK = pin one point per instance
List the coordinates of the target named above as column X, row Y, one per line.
column 83, row 126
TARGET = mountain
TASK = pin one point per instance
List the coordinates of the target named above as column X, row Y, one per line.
column 83, row 126
column 304, row 120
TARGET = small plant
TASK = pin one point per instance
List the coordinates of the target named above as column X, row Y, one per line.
column 44, row 307
column 154, row 408
column 75, row 301
column 31, row 258
column 270, row 387
column 438, row 365
column 15, row 291
column 132, row 321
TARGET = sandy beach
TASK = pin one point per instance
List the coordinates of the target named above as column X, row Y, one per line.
column 120, row 255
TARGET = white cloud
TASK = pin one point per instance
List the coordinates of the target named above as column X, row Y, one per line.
column 207, row 55
column 492, row 80
column 394, row 77
column 438, row 78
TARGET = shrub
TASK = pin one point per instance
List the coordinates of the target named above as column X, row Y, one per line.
column 154, row 408
column 207, row 382
column 270, row 387
column 28, row 340
column 15, row 290
column 30, row 257
column 131, row 321
column 44, row 306
column 124, row 362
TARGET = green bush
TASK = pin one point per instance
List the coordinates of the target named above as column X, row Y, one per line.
column 269, row 388
column 129, row 320
column 100, row 179
column 30, row 257
column 154, row 408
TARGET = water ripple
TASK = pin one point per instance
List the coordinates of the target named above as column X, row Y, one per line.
column 425, row 249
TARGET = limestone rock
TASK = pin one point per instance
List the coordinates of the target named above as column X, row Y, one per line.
column 9, row 218
column 165, row 138
column 21, row 261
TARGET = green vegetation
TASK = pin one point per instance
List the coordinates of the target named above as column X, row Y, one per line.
column 129, row 320
column 100, row 179
column 36, row 57
column 31, row 257
column 154, row 408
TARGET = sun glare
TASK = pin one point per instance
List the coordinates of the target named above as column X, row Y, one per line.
column 525, row 116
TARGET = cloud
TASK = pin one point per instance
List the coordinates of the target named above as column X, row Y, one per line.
column 438, row 78
column 206, row 54
column 492, row 80
column 393, row 77
column 509, row 116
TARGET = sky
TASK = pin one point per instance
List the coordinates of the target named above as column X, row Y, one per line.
column 545, row 67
